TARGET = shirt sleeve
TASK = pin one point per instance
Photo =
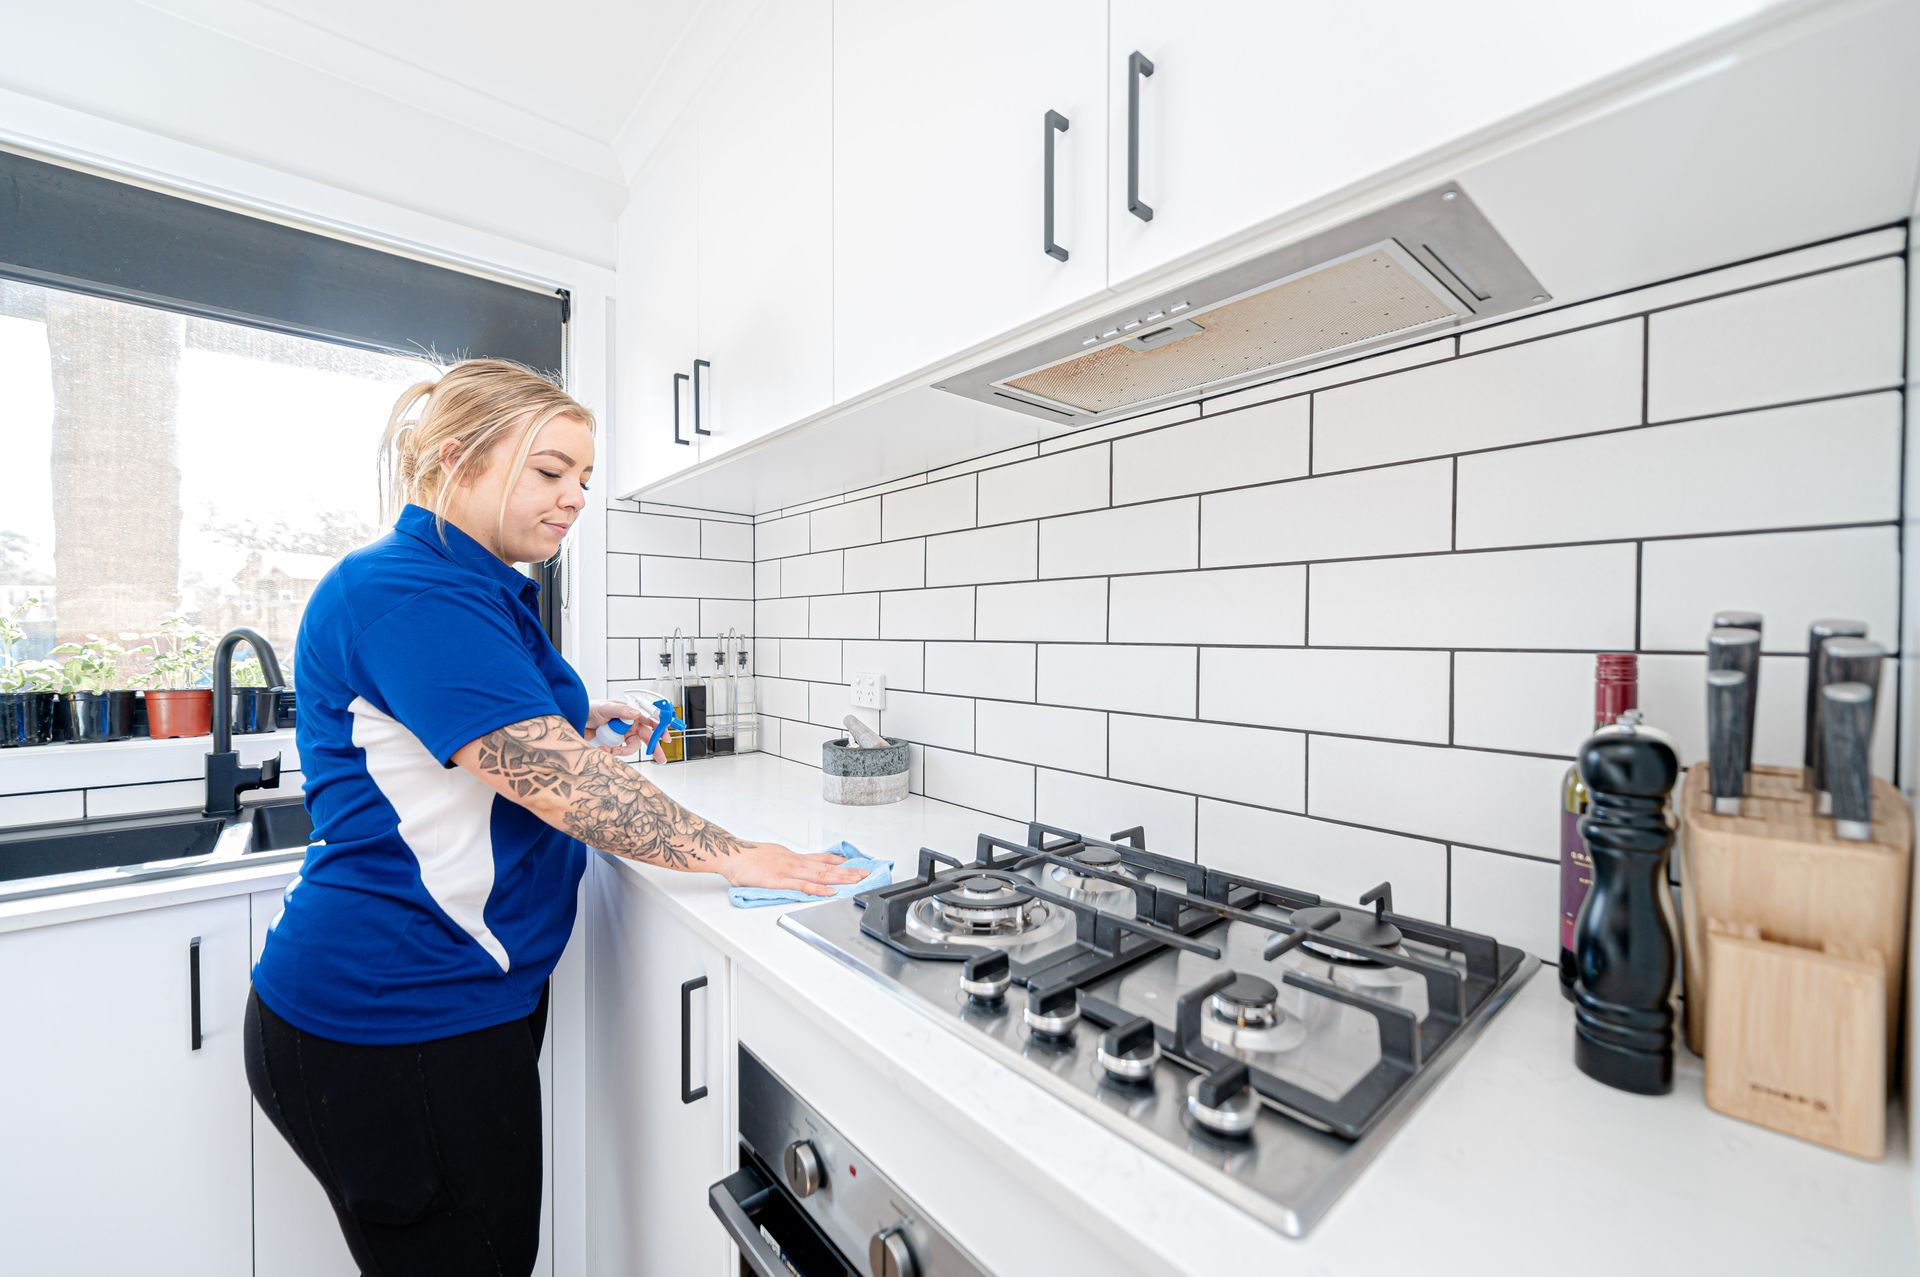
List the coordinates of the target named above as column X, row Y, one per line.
column 450, row 665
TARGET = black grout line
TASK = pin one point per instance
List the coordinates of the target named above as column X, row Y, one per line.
column 1646, row 364
column 1306, row 605
column 1283, row 811
column 1453, row 513
column 1639, row 591
column 1453, row 694
column 1623, row 539
column 1312, row 397
column 1469, row 452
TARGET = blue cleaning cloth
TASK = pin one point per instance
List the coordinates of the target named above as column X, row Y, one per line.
column 879, row 874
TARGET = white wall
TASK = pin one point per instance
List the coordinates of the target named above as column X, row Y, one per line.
column 1341, row 627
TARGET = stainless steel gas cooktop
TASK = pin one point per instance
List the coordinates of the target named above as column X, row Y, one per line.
column 1261, row 1040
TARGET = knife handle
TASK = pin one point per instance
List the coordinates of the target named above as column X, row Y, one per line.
column 1738, row 621
column 1817, row 635
column 1727, row 745
column 1846, row 715
column 1843, row 659
column 1738, row 648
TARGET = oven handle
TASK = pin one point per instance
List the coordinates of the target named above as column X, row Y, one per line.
column 731, row 1198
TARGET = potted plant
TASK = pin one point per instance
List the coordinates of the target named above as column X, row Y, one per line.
column 27, row 700
column 96, row 709
column 183, row 657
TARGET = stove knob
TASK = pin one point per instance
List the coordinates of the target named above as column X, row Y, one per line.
column 1052, row 1013
column 985, row 977
column 888, row 1256
column 1223, row 1101
column 803, row 1168
column 1129, row 1052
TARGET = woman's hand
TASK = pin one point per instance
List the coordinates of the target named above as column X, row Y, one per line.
column 768, row 864
column 604, row 712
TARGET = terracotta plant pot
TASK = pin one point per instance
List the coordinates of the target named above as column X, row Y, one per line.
column 27, row 718
column 180, row 713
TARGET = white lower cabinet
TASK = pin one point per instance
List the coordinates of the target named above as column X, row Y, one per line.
column 660, row 1078
column 295, row 1233
column 124, row 1144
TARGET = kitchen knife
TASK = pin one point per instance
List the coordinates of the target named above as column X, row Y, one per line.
column 1739, row 649
column 1728, row 750
column 1843, row 660
column 1846, row 721
column 1738, row 621
column 1817, row 634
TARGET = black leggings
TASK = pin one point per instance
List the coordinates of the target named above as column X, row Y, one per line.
column 429, row 1153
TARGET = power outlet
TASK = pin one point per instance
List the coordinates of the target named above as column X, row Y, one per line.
column 869, row 691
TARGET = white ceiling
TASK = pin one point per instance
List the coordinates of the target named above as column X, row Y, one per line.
column 563, row 77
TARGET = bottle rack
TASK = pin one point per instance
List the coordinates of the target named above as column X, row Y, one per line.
column 728, row 721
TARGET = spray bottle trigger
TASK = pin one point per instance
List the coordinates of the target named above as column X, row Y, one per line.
column 665, row 720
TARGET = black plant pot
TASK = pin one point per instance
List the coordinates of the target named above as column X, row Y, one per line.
column 287, row 715
column 140, row 714
column 123, row 708
column 89, row 717
column 27, row 718
column 255, row 710
column 84, row 717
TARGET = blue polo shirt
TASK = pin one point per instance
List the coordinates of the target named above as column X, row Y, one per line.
column 428, row 905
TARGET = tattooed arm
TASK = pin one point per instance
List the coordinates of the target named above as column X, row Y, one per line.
column 546, row 767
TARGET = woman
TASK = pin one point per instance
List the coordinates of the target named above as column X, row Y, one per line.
column 398, row 1007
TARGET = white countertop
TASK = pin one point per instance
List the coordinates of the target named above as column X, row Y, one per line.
column 1516, row 1163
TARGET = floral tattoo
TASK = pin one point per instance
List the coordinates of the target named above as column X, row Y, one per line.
column 598, row 799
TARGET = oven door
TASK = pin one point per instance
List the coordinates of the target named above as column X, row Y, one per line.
column 775, row 1236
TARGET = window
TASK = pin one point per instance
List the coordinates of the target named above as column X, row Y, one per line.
column 191, row 401
column 160, row 462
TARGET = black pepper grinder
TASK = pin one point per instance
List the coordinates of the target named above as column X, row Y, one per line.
column 1623, row 943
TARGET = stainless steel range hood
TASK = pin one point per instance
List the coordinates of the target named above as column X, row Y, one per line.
column 1422, row 266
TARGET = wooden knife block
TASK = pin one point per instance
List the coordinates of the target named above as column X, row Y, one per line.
column 1797, row 1039
column 1779, row 869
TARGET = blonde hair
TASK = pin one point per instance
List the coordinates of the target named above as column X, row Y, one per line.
column 476, row 405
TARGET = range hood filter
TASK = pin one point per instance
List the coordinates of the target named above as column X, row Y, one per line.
column 1378, row 292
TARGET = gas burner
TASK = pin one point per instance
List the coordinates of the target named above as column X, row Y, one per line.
column 1080, row 885
column 1246, row 1019
column 986, row 906
column 1360, row 930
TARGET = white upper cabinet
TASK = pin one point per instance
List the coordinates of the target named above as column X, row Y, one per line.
column 766, row 228
column 1254, row 108
column 940, row 137
column 656, row 316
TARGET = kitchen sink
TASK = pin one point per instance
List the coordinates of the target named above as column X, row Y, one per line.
column 106, row 844
column 280, row 826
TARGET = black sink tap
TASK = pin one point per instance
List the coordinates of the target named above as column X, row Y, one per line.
column 226, row 778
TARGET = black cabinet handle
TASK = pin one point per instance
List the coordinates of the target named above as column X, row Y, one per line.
column 1138, row 69
column 688, row 1093
column 677, row 379
column 698, row 364
column 1055, row 122
column 193, row 990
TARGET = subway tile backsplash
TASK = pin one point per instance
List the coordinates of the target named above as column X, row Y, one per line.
column 1340, row 627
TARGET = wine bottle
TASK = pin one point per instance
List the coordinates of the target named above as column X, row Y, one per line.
column 1616, row 689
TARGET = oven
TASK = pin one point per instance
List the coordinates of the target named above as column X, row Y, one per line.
column 806, row 1202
